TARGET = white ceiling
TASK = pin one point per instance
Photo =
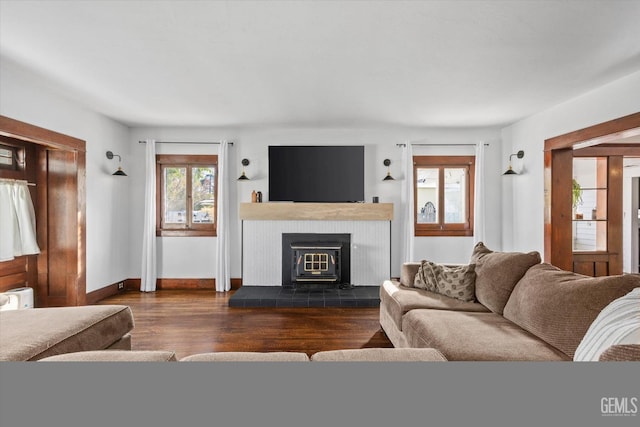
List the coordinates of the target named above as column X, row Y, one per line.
column 322, row 63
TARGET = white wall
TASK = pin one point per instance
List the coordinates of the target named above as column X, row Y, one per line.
column 193, row 258
column 24, row 97
column 523, row 196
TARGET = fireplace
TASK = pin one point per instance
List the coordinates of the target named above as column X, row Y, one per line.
column 315, row 260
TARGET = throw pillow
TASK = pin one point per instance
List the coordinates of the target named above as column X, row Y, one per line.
column 617, row 323
column 497, row 274
column 453, row 281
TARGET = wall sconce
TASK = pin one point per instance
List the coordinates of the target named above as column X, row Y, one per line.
column 245, row 162
column 510, row 171
column 119, row 172
column 387, row 162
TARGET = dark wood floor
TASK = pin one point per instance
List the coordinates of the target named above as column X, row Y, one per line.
column 200, row 321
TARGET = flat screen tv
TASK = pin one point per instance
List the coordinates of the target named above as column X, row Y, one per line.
column 312, row 173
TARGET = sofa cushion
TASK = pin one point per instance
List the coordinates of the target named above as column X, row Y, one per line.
column 455, row 282
column 380, row 355
column 35, row 333
column 559, row 306
column 497, row 274
column 113, row 356
column 248, row 356
column 467, row 336
column 398, row 300
column 618, row 323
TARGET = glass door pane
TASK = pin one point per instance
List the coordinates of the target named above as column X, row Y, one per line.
column 589, row 201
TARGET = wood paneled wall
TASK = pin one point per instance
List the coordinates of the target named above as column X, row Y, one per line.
column 56, row 164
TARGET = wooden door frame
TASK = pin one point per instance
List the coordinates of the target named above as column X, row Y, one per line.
column 558, row 152
column 70, row 263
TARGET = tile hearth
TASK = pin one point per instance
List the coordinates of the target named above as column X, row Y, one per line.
column 277, row 296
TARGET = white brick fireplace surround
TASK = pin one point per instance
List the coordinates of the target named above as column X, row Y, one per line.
column 263, row 225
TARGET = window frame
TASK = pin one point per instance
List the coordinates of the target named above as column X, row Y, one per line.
column 189, row 229
column 16, row 156
column 441, row 228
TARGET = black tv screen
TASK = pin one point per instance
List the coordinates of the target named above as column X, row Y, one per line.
column 316, row 173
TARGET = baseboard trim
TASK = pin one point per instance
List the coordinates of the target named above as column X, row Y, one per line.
column 102, row 293
column 134, row 284
column 175, row 284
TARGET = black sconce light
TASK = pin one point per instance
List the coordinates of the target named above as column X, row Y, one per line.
column 245, row 162
column 387, row 162
column 510, row 171
column 119, row 172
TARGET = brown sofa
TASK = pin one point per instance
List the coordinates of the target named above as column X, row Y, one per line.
column 523, row 310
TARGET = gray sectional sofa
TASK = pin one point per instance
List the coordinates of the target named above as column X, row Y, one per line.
column 523, row 310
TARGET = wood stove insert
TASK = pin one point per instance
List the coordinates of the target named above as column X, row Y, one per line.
column 315, row 260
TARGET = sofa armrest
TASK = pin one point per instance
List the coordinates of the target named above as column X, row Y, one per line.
column 621, row 353
column 408, row 273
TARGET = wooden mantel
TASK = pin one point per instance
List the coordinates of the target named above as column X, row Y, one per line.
column 316, row 211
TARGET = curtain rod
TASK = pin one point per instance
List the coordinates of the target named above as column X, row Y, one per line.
column 186, row 142
column 31, row 184
column 441, row 145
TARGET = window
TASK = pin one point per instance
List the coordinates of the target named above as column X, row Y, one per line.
column 443, row 195
column 186, row 193
column 10, row 157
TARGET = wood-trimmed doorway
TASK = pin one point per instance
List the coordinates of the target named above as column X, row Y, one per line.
column 55, row 163
column 602, row 140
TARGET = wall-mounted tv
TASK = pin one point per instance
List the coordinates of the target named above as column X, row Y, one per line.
column 310, row 173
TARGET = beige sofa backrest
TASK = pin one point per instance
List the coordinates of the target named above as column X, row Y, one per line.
column 559, row 306
column 497, row 273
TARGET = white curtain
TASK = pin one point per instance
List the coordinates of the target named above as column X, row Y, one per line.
column 149, row 273
column 223, row 279
column 479, row 196
column 407, row 201
column 17, row 221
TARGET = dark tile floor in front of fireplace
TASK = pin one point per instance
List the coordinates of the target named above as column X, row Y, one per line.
column 277, row 296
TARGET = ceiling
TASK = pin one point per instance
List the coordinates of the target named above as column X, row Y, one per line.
column 321, row 63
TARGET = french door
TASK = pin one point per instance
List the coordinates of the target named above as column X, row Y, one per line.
column 586, row 237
